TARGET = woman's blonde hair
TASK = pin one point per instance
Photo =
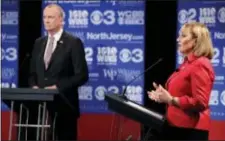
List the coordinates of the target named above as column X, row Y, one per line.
column 203, row 45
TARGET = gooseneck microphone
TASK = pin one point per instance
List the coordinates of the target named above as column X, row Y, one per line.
column 27, row 56
column 132, row 80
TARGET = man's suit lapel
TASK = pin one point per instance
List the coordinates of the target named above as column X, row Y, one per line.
column 58, row 49
column 43, row 47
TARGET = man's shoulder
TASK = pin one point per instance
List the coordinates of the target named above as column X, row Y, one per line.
column 40, row 39
column 71, row 36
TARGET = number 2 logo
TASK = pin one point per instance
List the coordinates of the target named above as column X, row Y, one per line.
column 187, row 15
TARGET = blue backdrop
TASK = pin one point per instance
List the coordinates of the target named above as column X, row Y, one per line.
column 113, row 35
column 211, row 13
column 9, row 45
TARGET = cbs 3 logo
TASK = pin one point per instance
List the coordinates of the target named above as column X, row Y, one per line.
column 106, row 17
column 9, row 54
column 126, row 55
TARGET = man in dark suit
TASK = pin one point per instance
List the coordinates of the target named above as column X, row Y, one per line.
column 58, row 62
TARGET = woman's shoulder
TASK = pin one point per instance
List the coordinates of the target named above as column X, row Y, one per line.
column 205, row 63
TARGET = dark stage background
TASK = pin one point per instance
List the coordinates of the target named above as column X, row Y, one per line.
column 160, row 41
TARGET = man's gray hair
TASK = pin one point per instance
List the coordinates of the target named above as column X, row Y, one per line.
column 61, row 11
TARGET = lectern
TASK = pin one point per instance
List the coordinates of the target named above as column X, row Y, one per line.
column 121, row 105
column 42, row 96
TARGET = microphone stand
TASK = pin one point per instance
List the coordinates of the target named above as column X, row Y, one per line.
column 129, row 137
column 132, row 80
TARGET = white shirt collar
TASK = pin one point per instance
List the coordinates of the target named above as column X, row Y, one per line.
column 57, row 35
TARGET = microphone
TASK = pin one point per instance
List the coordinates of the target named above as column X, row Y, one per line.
column 24, row 60
column 132, row 80
column 177, row 69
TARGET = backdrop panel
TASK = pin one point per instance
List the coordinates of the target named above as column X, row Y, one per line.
column 9, row 45
column 9, row 58
column 113, row 36
column 211, row 13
